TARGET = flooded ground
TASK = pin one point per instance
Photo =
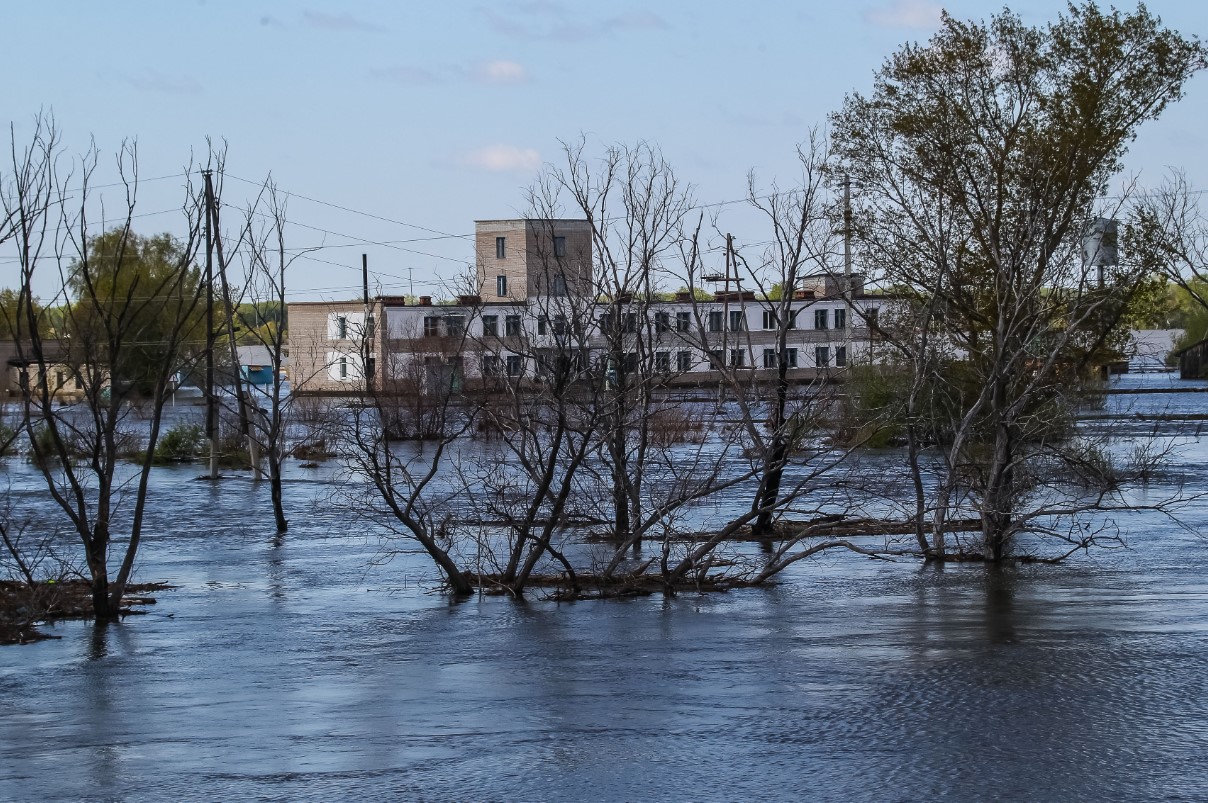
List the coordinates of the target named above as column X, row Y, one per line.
column 303, row 667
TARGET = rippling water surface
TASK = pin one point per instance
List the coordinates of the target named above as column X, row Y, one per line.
column 301, row 667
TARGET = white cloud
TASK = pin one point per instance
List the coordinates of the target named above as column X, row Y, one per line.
column 502, row 72
column 336, row 22
column 502, row 158
column 905, row 14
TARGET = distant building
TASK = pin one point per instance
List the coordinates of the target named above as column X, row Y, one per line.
column 536, row 313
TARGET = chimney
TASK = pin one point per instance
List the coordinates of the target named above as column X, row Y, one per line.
column 425, row 301
column 684, row 297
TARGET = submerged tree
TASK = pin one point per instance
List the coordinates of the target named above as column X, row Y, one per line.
column 129, row 322
column 979, row 158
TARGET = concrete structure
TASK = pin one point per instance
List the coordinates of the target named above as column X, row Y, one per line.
column 520, row 259
column 329, row 342
column 536, row 312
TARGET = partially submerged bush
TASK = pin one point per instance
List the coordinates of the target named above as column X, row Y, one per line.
column 180, row 444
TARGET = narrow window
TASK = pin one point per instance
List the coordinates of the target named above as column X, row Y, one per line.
column 605, row 324
column 822, row 356
column 820, row 319
column 873, row 318
column 60, row 379
column 341, row 327
column 431, row 326
column 841, row 356
column 662, row 362
column 558, row 287
column 515, row 365
column 738, row 321
column 501, row 248
column 490, row 365
column 840, row 319
column 683, row 361
column 662, row 322
column 371, row 367
column 542, row 324
column 559, row 325
column 511, row 326
column 769, row 358
column 631, row 322
column 343, row 368
column 738, row 357
column 790, row 357
column 559, row 246
column 369, row 326
column 490, row 325
column 501, row 286
column 716, row 320
column 683, row 321
column 769, row 319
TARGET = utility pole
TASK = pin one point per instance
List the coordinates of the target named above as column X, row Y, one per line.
column 847, row 294
column 725, row 281
column 211, row 400
column 369, row 330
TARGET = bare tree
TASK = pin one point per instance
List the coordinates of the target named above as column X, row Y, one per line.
column 129, row 309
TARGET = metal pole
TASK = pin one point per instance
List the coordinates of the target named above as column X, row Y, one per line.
column 211, row 401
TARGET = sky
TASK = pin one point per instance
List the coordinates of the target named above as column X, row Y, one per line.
column 395, row 125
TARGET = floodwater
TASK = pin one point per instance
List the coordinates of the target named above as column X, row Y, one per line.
column 305, row 667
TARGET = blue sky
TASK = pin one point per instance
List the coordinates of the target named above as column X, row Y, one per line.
column 435, row 114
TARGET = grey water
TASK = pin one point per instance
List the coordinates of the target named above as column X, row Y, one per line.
column 309, row 666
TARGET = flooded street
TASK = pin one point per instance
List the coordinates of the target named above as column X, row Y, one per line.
column 305, row 667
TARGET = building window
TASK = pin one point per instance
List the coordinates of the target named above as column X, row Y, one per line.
column 822, row 356
column 662, row 322
column 456, row 325
column 605, row 324
column 370, row 367
column 662, row 362
column 60, row 379
column 501, row 248
column 841, row 356
column 738, row 358
column 559, row 246
column 341, row 327
column 629, row 363
column 78, row 382
column 820, row 319
column 738, row 321
column 716, row 358
column 790, row 357
column 542, row 324
column 840, row 319
column 683, row 321
column 769, row 357
column 515, row 365
column 490, row 325
column 717, row 320
column 511, row 326
column 343, row 368
column 871, row 315
column 501, row 286
column 431, row 326
column 631, row 322
column 769, row 319
column 559, row 325
column 559, row 285
column 683, row 361
column 490, row 365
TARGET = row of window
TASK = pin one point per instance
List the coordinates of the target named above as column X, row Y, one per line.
column 557, row 285
column 501, row 248
column 629, row 322
column 685, row 362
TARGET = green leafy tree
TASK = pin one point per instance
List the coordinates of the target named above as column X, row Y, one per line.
column 980, row 155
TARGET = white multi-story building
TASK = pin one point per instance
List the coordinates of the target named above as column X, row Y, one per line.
column 537, row 314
